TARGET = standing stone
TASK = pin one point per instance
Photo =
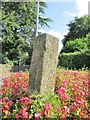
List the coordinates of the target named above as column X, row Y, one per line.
column 43, row 64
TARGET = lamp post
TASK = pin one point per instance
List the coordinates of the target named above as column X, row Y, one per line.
column 37, row 19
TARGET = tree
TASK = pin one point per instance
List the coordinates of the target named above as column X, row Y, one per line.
column 78, row 28
column 18, row 28
column 76, row 49
column 79, row 44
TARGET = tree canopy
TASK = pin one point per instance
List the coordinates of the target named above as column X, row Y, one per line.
column 76, row 49
column 78, row 28
column 78, row 45
column 18, row 28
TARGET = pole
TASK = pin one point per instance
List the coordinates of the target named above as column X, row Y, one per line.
column 37, row 20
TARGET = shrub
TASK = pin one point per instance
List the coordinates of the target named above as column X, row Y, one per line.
column 78, row 44
column 74, row 60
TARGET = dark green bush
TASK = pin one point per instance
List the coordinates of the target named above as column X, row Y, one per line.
column 74, row 60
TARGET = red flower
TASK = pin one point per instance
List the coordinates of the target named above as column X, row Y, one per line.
column 47, row 106
column 59, row 110
column 47, row 110
column 37, row 116
column 64, row 97
column 24, row 113
column 25, row 101
column 10, row 103
column 17, row 116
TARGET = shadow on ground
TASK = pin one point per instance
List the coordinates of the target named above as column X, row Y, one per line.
column 20, row 68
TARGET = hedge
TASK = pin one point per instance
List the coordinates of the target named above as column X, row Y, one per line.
column 74, row 60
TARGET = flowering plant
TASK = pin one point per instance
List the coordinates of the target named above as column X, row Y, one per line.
column 70, row 100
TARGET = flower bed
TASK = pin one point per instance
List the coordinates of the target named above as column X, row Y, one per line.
column 70, row 100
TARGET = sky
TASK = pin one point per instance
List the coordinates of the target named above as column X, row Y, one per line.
column 62, row 12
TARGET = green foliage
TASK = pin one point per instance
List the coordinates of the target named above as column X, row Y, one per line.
column 76, row 54
column 55, row 102
column 38, row 103
column 74, row 60
column 79, row 44
column 76, row 50
column 16, row 103
column 87, row 40
column 18, row 29
column 78, row 28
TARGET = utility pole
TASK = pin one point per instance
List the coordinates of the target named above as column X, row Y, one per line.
column 37, row 20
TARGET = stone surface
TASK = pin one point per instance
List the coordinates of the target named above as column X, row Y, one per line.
column 43, row 64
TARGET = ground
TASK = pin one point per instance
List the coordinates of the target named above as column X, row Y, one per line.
column 4, row 71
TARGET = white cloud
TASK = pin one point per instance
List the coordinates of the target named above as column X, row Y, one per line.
column 82, row 6
column 70, row 13
column 56, row 34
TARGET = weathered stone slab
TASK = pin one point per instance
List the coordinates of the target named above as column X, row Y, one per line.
column 43, row 64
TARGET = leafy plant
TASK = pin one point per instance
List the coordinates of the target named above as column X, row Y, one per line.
column 70, row 100
column 18, row 29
